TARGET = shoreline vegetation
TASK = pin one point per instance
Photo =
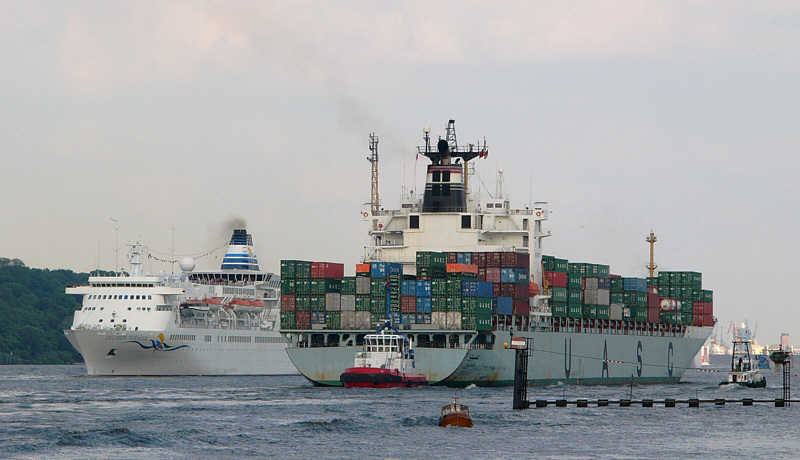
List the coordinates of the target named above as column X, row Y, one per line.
column 34, row 311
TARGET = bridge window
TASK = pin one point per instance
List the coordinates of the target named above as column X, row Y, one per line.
column 445, row 176
column 466, row 221
column 437, row 176
column 413, row 221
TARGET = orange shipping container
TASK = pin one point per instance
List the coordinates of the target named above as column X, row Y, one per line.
column 462, row 268
column 362, row 268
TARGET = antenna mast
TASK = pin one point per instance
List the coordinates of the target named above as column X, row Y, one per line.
column 652, row 265
column 373, row 158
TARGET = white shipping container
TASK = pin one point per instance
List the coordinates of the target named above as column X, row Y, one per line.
column 439, row 320
column 348, row 320
column 348, row 302
column 453, row 320
column 363, row 320
column 363, row 284
column 615, row 311
column 333, row 301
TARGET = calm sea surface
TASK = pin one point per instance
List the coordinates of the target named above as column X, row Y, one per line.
column 58, row 412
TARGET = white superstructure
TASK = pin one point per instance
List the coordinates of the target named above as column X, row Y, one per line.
column 222, row 322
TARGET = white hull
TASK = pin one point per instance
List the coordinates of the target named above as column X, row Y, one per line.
column 182, row 352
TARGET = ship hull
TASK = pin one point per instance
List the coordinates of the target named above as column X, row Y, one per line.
column 370, row 377
column 181, row 351
column 556, row 357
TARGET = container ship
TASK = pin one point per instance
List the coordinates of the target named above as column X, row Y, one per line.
column 216, row 322
column 460, row 276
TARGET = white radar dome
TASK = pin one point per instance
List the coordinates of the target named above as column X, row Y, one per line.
column 187, row 264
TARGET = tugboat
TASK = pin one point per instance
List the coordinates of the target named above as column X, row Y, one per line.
column 386, row 362
column 455, row 414
column 742, row 371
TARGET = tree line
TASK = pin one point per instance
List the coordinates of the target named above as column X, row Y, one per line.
column 34, row 311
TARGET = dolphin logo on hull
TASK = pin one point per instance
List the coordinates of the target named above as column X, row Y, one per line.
column 158, row 345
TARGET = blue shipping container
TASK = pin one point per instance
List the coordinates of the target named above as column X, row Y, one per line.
column 634, row 284
column 423, row 288
column 423, row 304
column 408, row 318
column 522, row 275
column 464, row 258
column 508, row 275
column 505, row 306
column 408, row 288
column 382, row 269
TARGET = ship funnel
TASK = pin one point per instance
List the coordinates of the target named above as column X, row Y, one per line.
column 444, row 151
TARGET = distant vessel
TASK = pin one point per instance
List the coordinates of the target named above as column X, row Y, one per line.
column 479, row 278
column 386, row 362
column 218, row 322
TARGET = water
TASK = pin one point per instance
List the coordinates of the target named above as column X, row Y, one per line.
column 58, row 412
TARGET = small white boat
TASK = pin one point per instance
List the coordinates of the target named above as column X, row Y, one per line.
column 742, row 371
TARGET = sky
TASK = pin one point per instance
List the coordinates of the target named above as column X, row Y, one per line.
column 172, row 122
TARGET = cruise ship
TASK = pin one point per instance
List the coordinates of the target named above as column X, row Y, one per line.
column 455, row 347
column 217, row 322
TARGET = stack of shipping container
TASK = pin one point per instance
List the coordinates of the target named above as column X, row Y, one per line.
column 589, row 291
column 451, row 291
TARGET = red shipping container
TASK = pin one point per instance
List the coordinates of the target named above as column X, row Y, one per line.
column 652, row 315
column 653, row 301
column 327, row 270
column 287, row 302
column 492, row 275
column 303, row 319
column 492, row 259
column 698, row 320
column 710, row 310
column 481, row 274
column 708, row 320
column 408, row 304
column 557, row 279
column 508, row 259
column 523, row 260
column 521, row 307
column 452, row 257
column 521, row 291
column 479, row 259
column 698, row 308
column 504, row 289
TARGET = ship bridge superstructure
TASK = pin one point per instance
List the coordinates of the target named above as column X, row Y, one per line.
column 446, row 218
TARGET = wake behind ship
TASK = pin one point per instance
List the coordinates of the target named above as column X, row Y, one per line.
column 218, row 322
column 462, row 275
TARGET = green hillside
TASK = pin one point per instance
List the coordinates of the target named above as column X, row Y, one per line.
column 34, row 310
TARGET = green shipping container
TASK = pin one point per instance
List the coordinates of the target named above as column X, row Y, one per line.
column 589, row 311
column 559, row 309
column 349, row 285
column 574, row 311
column 288, row 286
column 483, row 322
column 559, row 294
column 617, row 284
column 288, row 320
column 333, row 320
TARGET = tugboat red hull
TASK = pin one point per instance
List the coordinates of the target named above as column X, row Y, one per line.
column 372, row 377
